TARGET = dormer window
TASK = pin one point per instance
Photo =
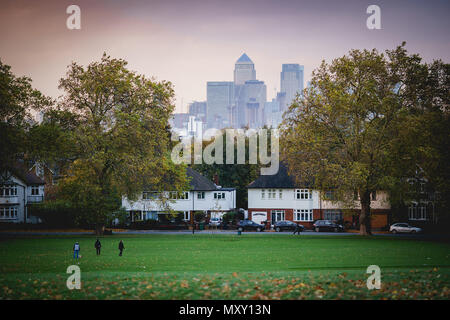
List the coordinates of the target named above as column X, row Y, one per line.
column 34, row 190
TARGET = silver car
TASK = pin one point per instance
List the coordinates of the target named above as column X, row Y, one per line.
column 404, row 228
column 214, row 222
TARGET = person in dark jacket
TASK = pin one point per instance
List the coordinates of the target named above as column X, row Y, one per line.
column 121, row 247
column 297, row 229
column 76, row 250
column 97, row 246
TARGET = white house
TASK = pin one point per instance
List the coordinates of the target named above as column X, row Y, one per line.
column 19, row 187
column 203, row 195
column 277, row 197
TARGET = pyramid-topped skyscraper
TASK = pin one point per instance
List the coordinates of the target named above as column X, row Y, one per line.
column 244, row 70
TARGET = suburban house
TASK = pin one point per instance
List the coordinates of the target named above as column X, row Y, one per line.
column 278, row 197
column 421, row 210
column 204, row 195
column 19, row 187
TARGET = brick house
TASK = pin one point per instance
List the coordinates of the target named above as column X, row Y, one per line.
column 278, row 197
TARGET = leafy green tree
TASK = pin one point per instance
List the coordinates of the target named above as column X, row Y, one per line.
column 235, row 175
column 341, row 136
column 120, row 136
column 421, row 151
column 19, row 102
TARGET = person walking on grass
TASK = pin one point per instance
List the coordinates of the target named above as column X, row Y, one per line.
column 121, row 247
column 98, row 246
column 76, row 250
column 297, row 229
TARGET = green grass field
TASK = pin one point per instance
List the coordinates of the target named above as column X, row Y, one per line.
column 225, row 267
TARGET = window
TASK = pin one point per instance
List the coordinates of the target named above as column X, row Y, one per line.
column 35, row 190
column 263, row 194
column 417, row 212
column 150, row 215
column 9, row 212
column 186, row 216
column 174, row 195
column 302, row 194
column 201, row 195
column 280, row 192
column 330, row 195
column 374, row 196
column 183, row 195
column 333, row 215
column 8, row 190
column 303, row 215
column 219, row 195
column 272, row 193
column 147, row 195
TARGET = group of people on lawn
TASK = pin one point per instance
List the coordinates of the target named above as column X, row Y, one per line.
column 97, row 246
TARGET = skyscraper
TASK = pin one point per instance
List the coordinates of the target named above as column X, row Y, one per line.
column 219, row 102
column 255, row 96
column 244, row 70
column 291, row 83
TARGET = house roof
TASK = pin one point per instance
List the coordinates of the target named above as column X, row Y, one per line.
column 280, row 180
column 29, row 177
column 199, row 182
column 244, row 59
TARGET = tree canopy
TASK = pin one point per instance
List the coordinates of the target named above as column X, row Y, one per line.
column 345, row 134
column 120, row 134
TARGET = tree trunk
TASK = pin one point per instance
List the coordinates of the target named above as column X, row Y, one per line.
column 364, row 216
column 99, row 229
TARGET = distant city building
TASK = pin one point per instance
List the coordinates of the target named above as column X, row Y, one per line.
column 179, row 120
column 251, row 104
column 272, row 113
column 198, row 110
column 291, row 82
column 220, row 103
column 244, row 70
column 243, row 102
column 250, row 95
column 195, row 127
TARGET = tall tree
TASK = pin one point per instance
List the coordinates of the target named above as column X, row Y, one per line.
column 340, row 136
column 121, row 136
column 19, row 102
column 422, row 149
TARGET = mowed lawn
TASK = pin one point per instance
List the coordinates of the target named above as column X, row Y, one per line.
column 202, row 266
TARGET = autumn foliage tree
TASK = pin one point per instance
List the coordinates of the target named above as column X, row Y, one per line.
column 343, row 134
column 120, row 135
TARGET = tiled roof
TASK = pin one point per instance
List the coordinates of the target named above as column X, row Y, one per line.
column 199, row 182
column 29, row 177
column 280, row 180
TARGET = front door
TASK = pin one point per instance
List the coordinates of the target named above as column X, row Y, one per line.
column 277, row 215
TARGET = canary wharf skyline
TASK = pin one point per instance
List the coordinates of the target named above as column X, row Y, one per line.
column 192, row 42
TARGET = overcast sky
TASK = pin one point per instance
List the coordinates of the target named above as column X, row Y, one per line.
column 190, row 42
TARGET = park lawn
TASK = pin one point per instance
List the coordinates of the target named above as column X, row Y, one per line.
column 204, row 266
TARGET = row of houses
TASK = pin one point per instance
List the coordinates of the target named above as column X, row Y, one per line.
column 270, row 198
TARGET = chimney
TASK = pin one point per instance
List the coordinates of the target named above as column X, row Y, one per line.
column 216, row 179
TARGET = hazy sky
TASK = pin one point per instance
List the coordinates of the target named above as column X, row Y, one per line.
column 189, row 42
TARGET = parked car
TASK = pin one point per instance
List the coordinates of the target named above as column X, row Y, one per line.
column 327, row 225
column 286, row 226
column 402, row 227
column 249, row 225
column 215, row 222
